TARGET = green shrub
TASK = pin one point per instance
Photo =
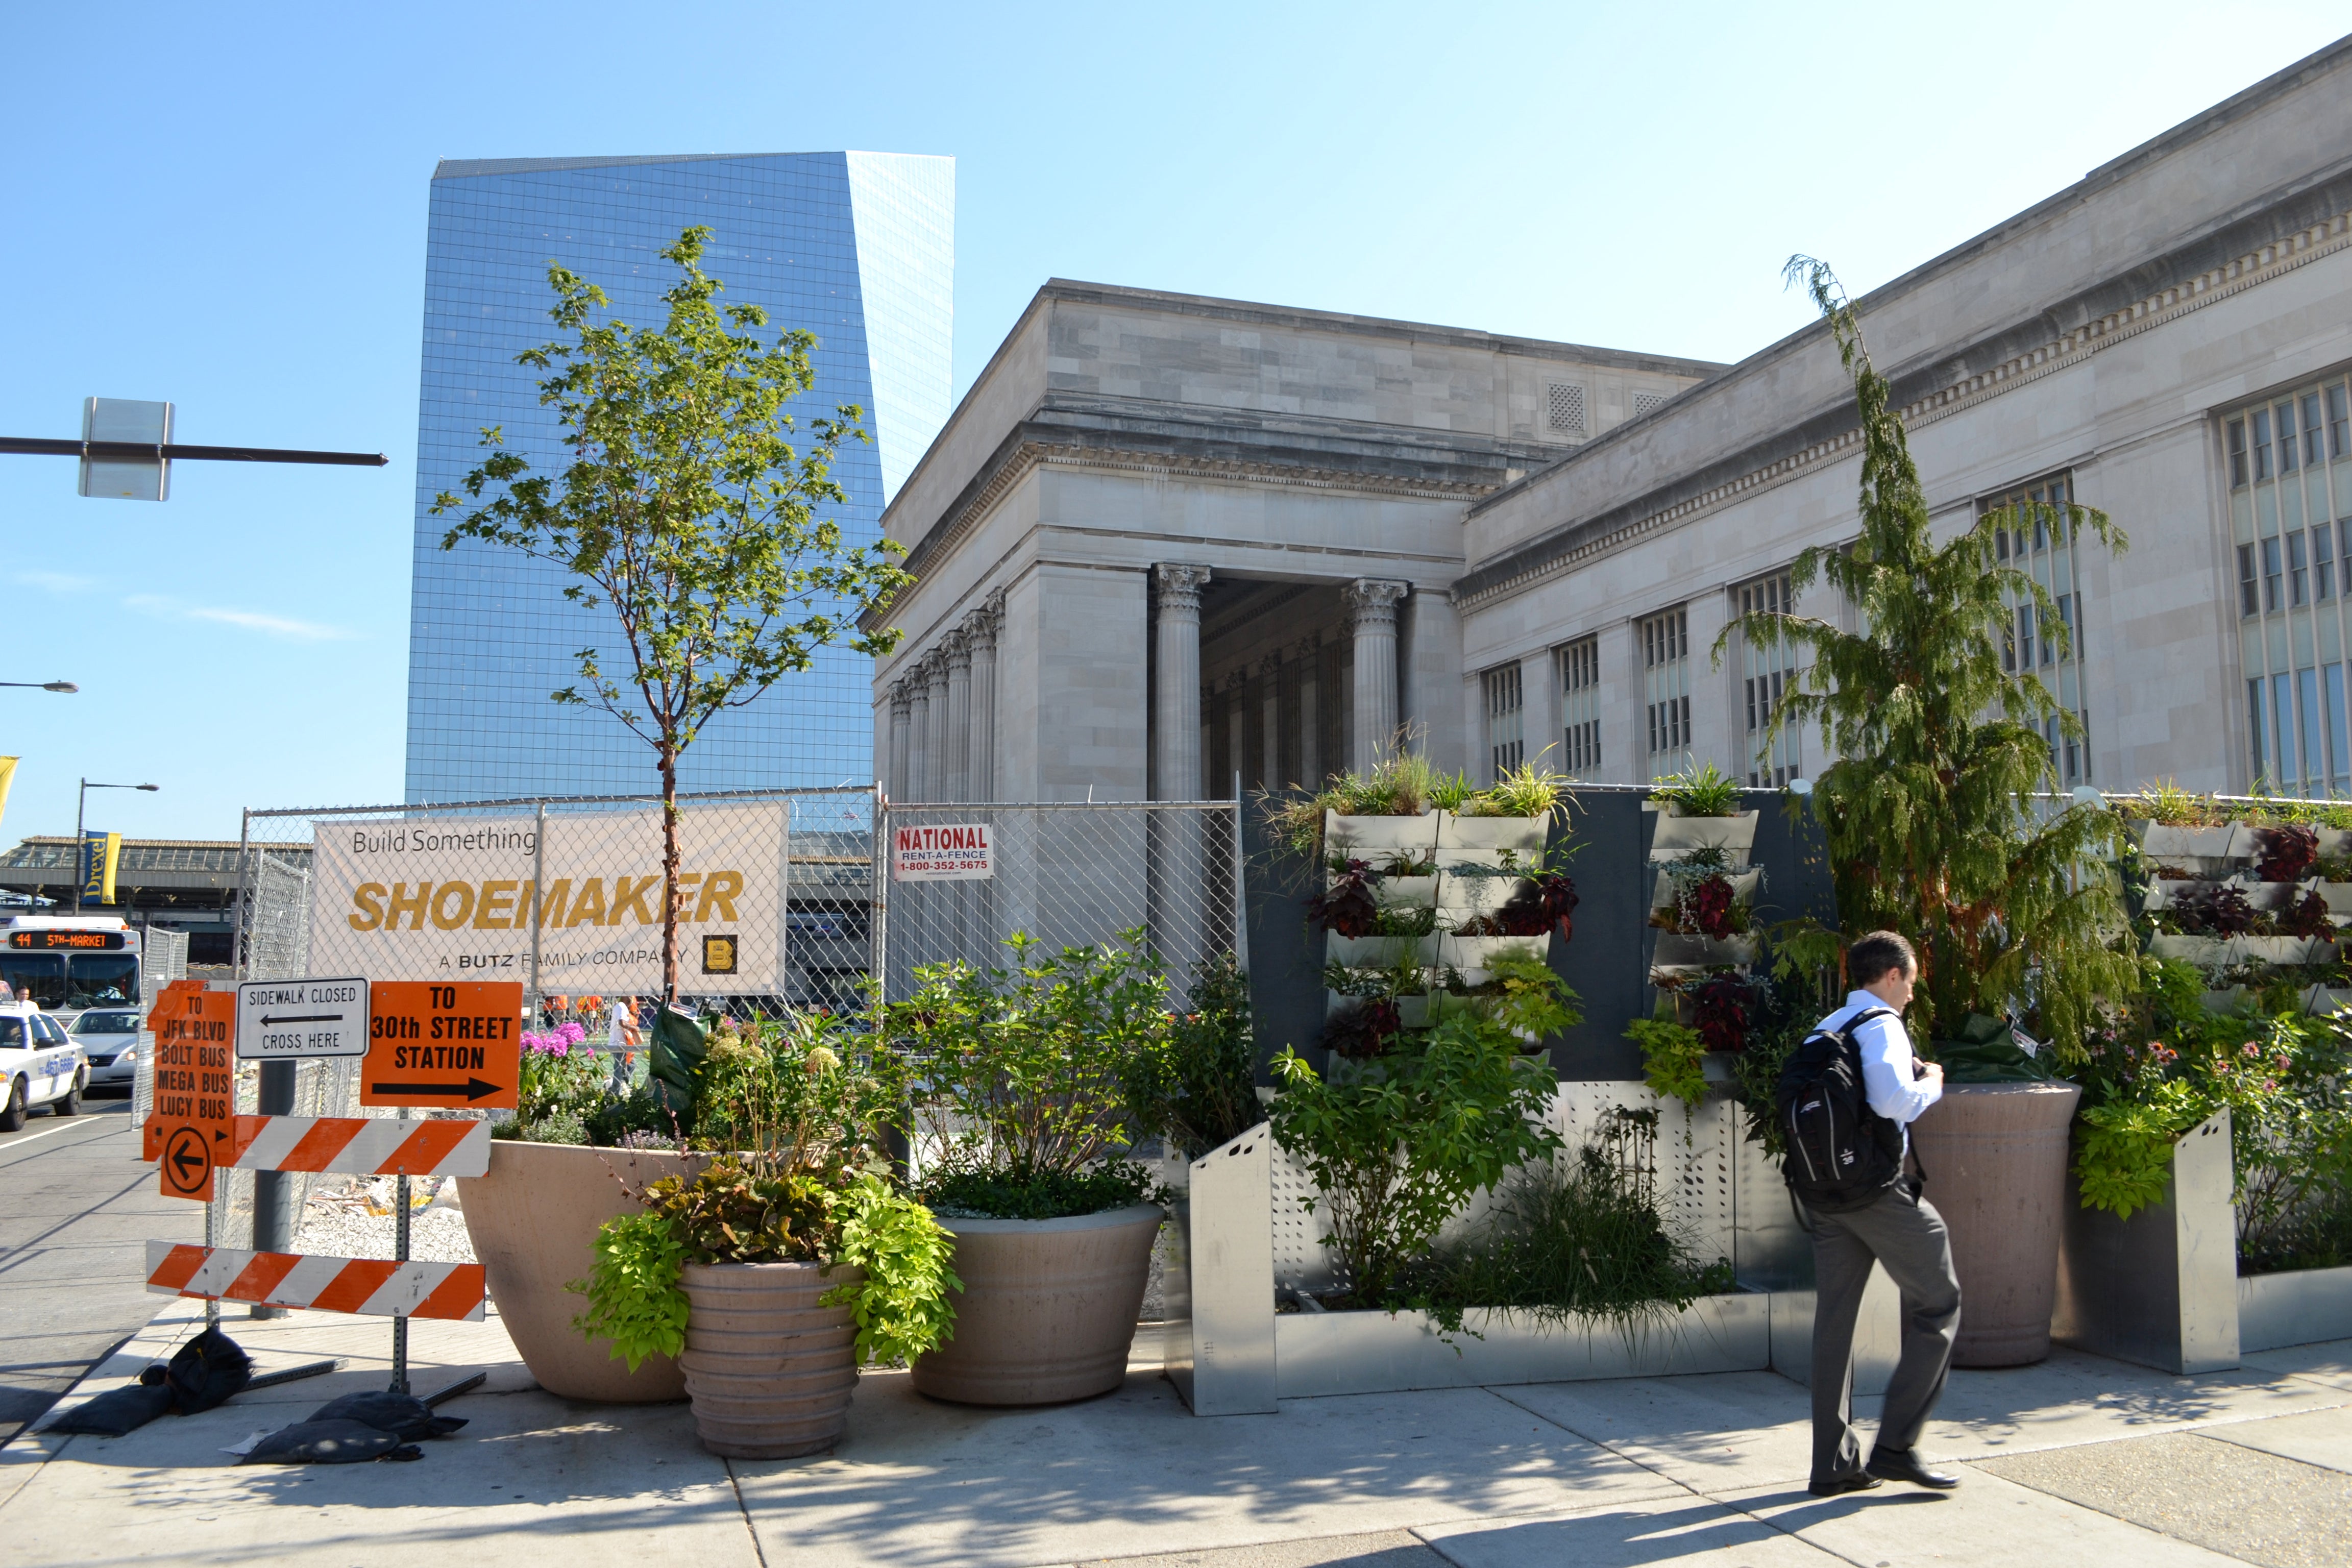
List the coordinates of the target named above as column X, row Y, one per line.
column 1196, row 1083
column 1670, row 1054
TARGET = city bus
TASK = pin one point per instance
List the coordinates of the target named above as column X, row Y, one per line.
column 69, row 963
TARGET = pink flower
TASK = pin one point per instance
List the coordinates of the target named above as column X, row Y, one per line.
column 559, row 1046
column 2251, row 1049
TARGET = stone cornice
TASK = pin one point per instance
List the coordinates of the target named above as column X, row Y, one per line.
column 1549, row 556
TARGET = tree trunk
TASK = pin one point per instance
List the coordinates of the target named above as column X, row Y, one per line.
column 669, row 874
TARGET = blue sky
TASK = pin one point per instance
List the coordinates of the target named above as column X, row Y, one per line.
column 225, row 207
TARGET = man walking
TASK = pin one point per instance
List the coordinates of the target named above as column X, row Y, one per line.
column 1898, row 1229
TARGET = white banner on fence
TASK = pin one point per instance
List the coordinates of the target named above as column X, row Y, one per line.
column 454, row 897
column 955, row 852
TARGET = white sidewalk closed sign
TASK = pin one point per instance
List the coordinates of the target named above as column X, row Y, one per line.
column 953, row 852
column 302, row 1018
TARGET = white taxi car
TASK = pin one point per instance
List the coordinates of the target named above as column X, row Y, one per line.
column 39, row 1065
column 108, row 1039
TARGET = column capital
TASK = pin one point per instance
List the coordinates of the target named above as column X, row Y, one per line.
column 1271, row 665
column 1374, row 599
column 902, row 702
column 935, row 668
column 1308, row 646
column 1180, row 586
column 980, row 628
column 955, row 651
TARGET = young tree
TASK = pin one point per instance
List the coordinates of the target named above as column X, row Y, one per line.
column 686, row 513
column 1929, row 812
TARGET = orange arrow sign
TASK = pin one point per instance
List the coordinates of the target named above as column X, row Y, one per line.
column 457, row 1045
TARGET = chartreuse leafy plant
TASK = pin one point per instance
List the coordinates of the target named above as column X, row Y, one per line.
column 801, row 1109
column 1400, row 1142
column 1929, row 812
column 1028, row 1075
column 1672, row 1057
column 686, row 515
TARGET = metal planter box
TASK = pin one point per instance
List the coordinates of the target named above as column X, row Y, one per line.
column 1373, row 1353
column 2301, row 1307
column 2160, row 1288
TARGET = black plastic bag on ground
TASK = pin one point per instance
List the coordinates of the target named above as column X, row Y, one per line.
column 403, row 1416
column 328, row 1443
column 117, row 1412
column 207, row 1370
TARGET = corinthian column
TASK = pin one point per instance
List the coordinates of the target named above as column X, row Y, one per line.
column 918, row 731
column 958, row 783
column 935, row 744
column 979, row 746
column 901, row 709
column 1373, row 607
column 1176, row 706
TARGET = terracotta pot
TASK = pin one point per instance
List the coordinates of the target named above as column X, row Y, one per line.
column 770, row 1371
column 1996, row 1158
column 1048, row 1308
column 533, row 1222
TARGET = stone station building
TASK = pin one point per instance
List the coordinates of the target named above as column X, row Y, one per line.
column 1166, row 540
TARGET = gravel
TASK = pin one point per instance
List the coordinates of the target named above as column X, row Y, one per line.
column 354, row 1218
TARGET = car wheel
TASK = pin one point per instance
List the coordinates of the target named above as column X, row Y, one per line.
column 69, row 1103
column 12, row 1119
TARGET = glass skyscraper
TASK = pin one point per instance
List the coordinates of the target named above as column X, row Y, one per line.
column 858, row 247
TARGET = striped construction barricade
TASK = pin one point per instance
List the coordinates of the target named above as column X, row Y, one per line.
column 380, row 1288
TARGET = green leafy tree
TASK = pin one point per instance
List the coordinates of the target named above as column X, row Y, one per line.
column 687, row 512
column 1929, row 812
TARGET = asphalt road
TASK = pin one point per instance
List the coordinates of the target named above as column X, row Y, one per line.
column 77, row 1209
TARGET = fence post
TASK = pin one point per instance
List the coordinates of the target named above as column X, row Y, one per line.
column 537, row 903
column 877, row 910
column 1241, row 887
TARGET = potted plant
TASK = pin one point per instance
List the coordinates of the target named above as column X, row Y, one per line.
column 783, row 1265
column 585, row 1120
column 1699, row 808
column 1024, row 1117
column 1936, row 818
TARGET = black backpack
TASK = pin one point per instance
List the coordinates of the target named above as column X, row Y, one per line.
column 1841, row 1153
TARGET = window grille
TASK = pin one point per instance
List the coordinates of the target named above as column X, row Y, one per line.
column 1504, row 736
column 1665, row 689
column 1767, row 668
column 2289, row 464
column 1565, row 409
column 1579, row 681
column 2030, row 643
column 1644, row 401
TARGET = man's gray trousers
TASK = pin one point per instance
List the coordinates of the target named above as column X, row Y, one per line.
column 1904, row 1234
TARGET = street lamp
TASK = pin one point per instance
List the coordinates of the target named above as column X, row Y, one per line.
column 44, row 685
column 81, row 802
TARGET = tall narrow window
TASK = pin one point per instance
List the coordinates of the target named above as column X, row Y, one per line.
column 2237, row 453
column 2249, row 601
column 2298, row 574
column 2261, row 445
column 2339, row 767
column 2287, row 437
column 2311, row 436
column 2339, row 421
column 1665, row 689
column 1579, row 690
column 1506, row 741
column 2322, row 562
column 1767, row 668
column 2041, row 538
column 2272, row 576
column 2255, row 731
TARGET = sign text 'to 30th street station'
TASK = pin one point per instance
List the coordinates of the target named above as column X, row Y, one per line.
column 456, row 1046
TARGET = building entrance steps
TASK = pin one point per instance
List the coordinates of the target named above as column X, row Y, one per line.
column 1702, row 1469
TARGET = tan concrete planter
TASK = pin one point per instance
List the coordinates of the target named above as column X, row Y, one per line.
column 1996, row 1158
column 1048, row 1308
column 533, row 1221
column 771, row 1372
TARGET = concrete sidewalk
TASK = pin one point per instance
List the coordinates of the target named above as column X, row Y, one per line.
column 2077, row 1460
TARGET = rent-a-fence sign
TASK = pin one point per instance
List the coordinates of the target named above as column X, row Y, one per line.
column 949, row 852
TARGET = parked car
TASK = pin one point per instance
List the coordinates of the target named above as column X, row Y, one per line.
column 39, row 1065
column 108, row 1039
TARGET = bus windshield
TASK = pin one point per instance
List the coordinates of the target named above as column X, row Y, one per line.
column 36, row 977
column 101, row 979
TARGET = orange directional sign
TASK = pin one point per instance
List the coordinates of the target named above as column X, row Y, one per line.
column 192, row 1129
column 444, row 1045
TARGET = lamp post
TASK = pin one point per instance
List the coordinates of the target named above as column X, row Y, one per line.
column 82, row 802
column 44, row 685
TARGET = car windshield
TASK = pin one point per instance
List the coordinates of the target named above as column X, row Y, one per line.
column 100, row 979
column 36, row 977
column 107, row 1024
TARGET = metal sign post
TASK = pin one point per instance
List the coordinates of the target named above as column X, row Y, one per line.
column 400, row 1255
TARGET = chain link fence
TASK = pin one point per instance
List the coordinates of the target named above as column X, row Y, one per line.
column 561, row 893
column 1069, row 874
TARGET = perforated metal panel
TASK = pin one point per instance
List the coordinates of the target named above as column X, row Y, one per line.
column 1300, row 1260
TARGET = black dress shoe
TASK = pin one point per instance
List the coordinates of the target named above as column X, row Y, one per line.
column 1837, row 1486
column 1902, row 1465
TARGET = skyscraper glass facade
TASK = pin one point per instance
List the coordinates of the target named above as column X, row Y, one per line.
column 858, row 247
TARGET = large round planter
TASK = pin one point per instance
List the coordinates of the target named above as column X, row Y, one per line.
column 769, row 1370
column 1995, row 1154
column 1048, row 1308
column 533, row 1221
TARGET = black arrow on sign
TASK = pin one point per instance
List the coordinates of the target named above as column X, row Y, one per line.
column 307, row 1018
column 472, row 1089
column 183, row 1160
